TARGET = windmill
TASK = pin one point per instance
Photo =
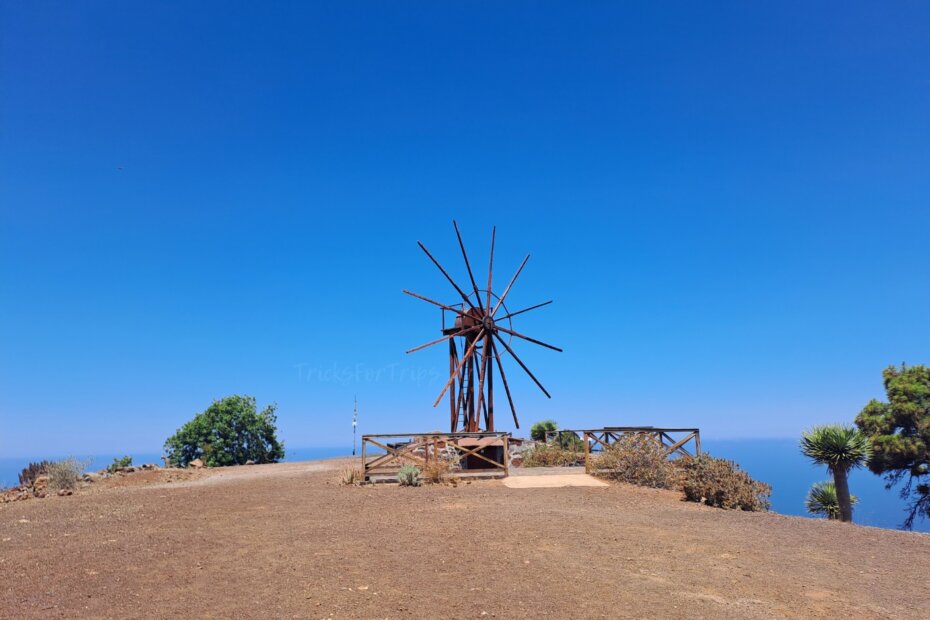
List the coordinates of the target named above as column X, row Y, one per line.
column 483, row 327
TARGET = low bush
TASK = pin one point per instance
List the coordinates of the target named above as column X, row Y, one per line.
column 118, row 464
column 65, row 474
column 721, row 483
column 33, row 471
column 550, row 455
column 409, row 476
column 352, row 476
column 638, row 459
column 821, row 500
column 442, row 469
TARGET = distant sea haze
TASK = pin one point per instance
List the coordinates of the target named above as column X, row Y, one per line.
column 775, row 461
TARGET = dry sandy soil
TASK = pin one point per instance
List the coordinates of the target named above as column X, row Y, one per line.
column 288, row 541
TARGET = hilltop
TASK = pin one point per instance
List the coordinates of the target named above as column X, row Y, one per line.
column 289, row 541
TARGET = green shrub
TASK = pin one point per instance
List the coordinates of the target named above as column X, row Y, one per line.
column 538, row 430
column 550, row 455
column 638, row 459
column 65, row 474
column 721, row 483
column 409, row 476
column 33, row 471
column 230, row 432
column 118, row 464
column 822, row 500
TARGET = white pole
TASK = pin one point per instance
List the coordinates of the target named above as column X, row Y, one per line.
column 354, row 425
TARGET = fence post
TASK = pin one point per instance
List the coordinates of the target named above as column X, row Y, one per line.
column 587, row 454
column 364, row 460
column 506, row 455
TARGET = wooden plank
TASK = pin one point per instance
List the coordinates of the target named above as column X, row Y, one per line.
column 678, row 446
column 474, row 452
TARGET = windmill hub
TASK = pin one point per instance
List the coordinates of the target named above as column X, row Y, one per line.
column 479, row 321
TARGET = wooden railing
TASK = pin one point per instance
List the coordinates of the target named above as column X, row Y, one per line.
column 677, row 441
column 478, row 454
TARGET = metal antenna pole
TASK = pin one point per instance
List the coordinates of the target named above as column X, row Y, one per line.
column 354, row 425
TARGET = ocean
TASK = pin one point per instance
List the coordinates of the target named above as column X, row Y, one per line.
column 775, row 461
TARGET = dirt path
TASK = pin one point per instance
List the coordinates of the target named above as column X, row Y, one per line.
column 287, row 541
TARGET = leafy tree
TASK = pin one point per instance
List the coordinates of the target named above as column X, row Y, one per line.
column 840, row 448
column 538, row 431
column 899, row 431
column 230, row 432
column 821, row 500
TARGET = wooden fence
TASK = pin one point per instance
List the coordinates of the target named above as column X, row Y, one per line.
column 477, row 454
column 677, row 441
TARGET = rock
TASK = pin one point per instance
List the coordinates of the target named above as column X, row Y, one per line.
column 63, row 492
column 250, row 462
column 40, row 483
column 196, row 464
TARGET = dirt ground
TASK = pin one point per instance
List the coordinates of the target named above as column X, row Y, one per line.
column 288, row 541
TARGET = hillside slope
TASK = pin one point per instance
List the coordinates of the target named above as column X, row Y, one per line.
column 288, row 541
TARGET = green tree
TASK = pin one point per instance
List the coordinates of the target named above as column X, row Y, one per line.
column 821, row 500
column 840, row 448
column 538, row 430
column 230, row 432
column 899, row 432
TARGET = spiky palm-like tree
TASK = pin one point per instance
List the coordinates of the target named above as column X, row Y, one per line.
column 821, row 500
column 841, row 448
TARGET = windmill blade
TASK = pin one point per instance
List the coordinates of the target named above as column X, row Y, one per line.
column 513, row 314
column 500, row 368
column 533, row 340
column 490, row 267
column 444, row 338
column 507, row 290
column 448, row 277
column 522, row 365
column 458, row 368
column 436, row 303
column 471, row 276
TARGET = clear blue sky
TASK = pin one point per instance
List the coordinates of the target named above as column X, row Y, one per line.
column 729, row 204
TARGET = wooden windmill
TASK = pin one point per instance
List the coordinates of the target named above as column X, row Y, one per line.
column 482, row 325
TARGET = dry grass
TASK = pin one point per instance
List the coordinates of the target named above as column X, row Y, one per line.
column 352, row 476
column 65, row 474
column 638, row 459
column 721, row 483
column 550, row 455
column 644, row 461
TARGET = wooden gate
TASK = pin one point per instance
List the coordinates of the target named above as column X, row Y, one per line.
column 481, row 455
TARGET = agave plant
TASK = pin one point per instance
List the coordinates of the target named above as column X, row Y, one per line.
column 840, row 448
column 822, row 500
